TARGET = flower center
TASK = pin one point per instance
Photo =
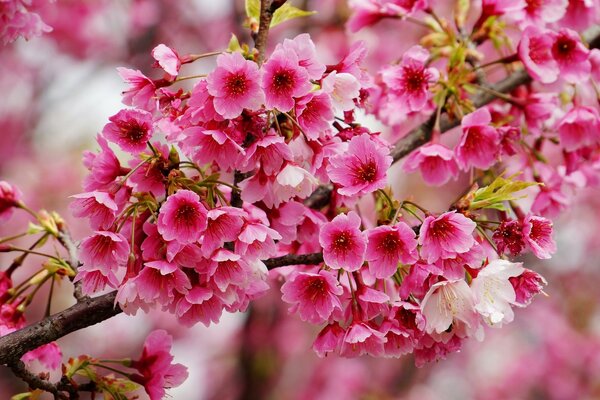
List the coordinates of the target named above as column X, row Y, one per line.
column 316, row 288
column 186, row 212
column 283, row 81
column 389, row 243
column 236, row 84
column 366, row 172
column 563, row 47
column 342, row 241
column 414, row 79
column 133, row 132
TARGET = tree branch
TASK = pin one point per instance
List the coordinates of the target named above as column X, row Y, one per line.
column 267, row 9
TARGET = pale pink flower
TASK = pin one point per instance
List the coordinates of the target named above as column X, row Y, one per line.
column 409, row 81
column 306, row 51
column 10, row 196
column 19, row 21
column 540, row 13
column 283, row 79
column 167, row 58
column 580, row 127
column 315, row 296
column 494, row 293
column 527, row 285
column 99, row 207
column 130, row 130
column 259, row 187
column 286, row 218
column 479, row 143
column 369, row 12
column 450, row 304
column 292, row 181
column 234, row 84
column 49, row 355
column 344, row 245
column 538, row 235
column 104, row 250
column 155, row 369
column 446, row 236
column 389, row 245
column 315, row 114
column 435, row 161
column 182, row 217
column 199, row 305
column 580, row 14
column 158, row 280
column 362, row 169
column 343, row 88
column 141, row 91
column 535, row 51
column 572, row 56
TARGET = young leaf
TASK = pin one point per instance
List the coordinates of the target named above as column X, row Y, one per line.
column 287, row 12
column 496, row 193
column 253, row 9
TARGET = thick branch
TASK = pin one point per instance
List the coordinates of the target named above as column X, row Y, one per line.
column 88, row 312
column 267, row 9
column 294, row 259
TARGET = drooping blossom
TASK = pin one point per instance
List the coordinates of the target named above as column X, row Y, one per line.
column 167, row 59
column 104, row 167
column 343, row 88
column 362, row 169
column 479, row 142
column 435, row 161
column 409, row 81
column 535, row 51
column 389, row 245
column 104, row 250
column 10, row 196
column 155, row 369
column 234, row 84
column 99, row 207
column 306, row 51
column 369, row 12
column 315, row 296
column 537, row 232
column 129, row 129
column 494, row 293
column 205, row 146
column 315, row 113
column 450, row 303
column 361, row 338
column 200, row 304
column 329, row 340
column 224, row 224
column 49, row 355
column 344, row 245
column 283, row 79
column 141, row 91
column 572, row 56
column 292, row 181
column 527, row 285
column 158, row 280
column 509, row 237
column 579, row 127
column 268, row 153
column 446, row 236
column 182, row 217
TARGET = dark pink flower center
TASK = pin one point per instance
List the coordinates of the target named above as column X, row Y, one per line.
column 132, row 131
column 533, row 6
column 186, row 212
column 538, row 51
column 441, row 229
column 563, row 47
column 414, row 79
column 342, row 241
column 509, row 235
column 283, row 81
column 366, row 172
column 236, row 84
column 389, row 243
column 316, row 288
column 540, row 231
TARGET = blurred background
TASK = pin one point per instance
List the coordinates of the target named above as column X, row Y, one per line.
column 57, row 92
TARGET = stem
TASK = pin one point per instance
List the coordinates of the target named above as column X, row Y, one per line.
column 36, row 253
column 23, row 207
column 9, row 238
column 127, row 375
column 50, row 293
column 502, row 96
column 194, row 57
column 184, row 78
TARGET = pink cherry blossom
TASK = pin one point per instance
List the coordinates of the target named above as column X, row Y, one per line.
column 99, row 207
column 306, row 51
column 158, row 280
column 343, row 88
column 329, row 340
column 167, row 58
column 268, row 152
column 224, row 224
column 199, row 305
column 344, row 245
column 361, row 338
column 130, row 129
column 95, row 279
column 182, row 217
column 104, row 250
column 362, row 169
column 207, row 145
column 446, row 236
column 579, row 127
column 155, row 369
column 283, row 79
column 435, row 161
column 509, row 236
column 292, row 181
column 315, row 113
column 572, row 56
column 18, row 20
column 389, row 245
column 315, row 296
column 479, row 143
column 104, row 167
column 49, row 355
column 409, row 81
column 527, row 285
column 539, row 13
column 234, row 84
column 257, row 241
column 535, row 51
column 9, row 198
column 141, row 91
column 538, row 235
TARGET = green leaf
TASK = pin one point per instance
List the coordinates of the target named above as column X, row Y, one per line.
column 234, row 44
column 21, row 396
column 496, row 193
column 287, row 12
column 253, row 9
column 461, row 11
